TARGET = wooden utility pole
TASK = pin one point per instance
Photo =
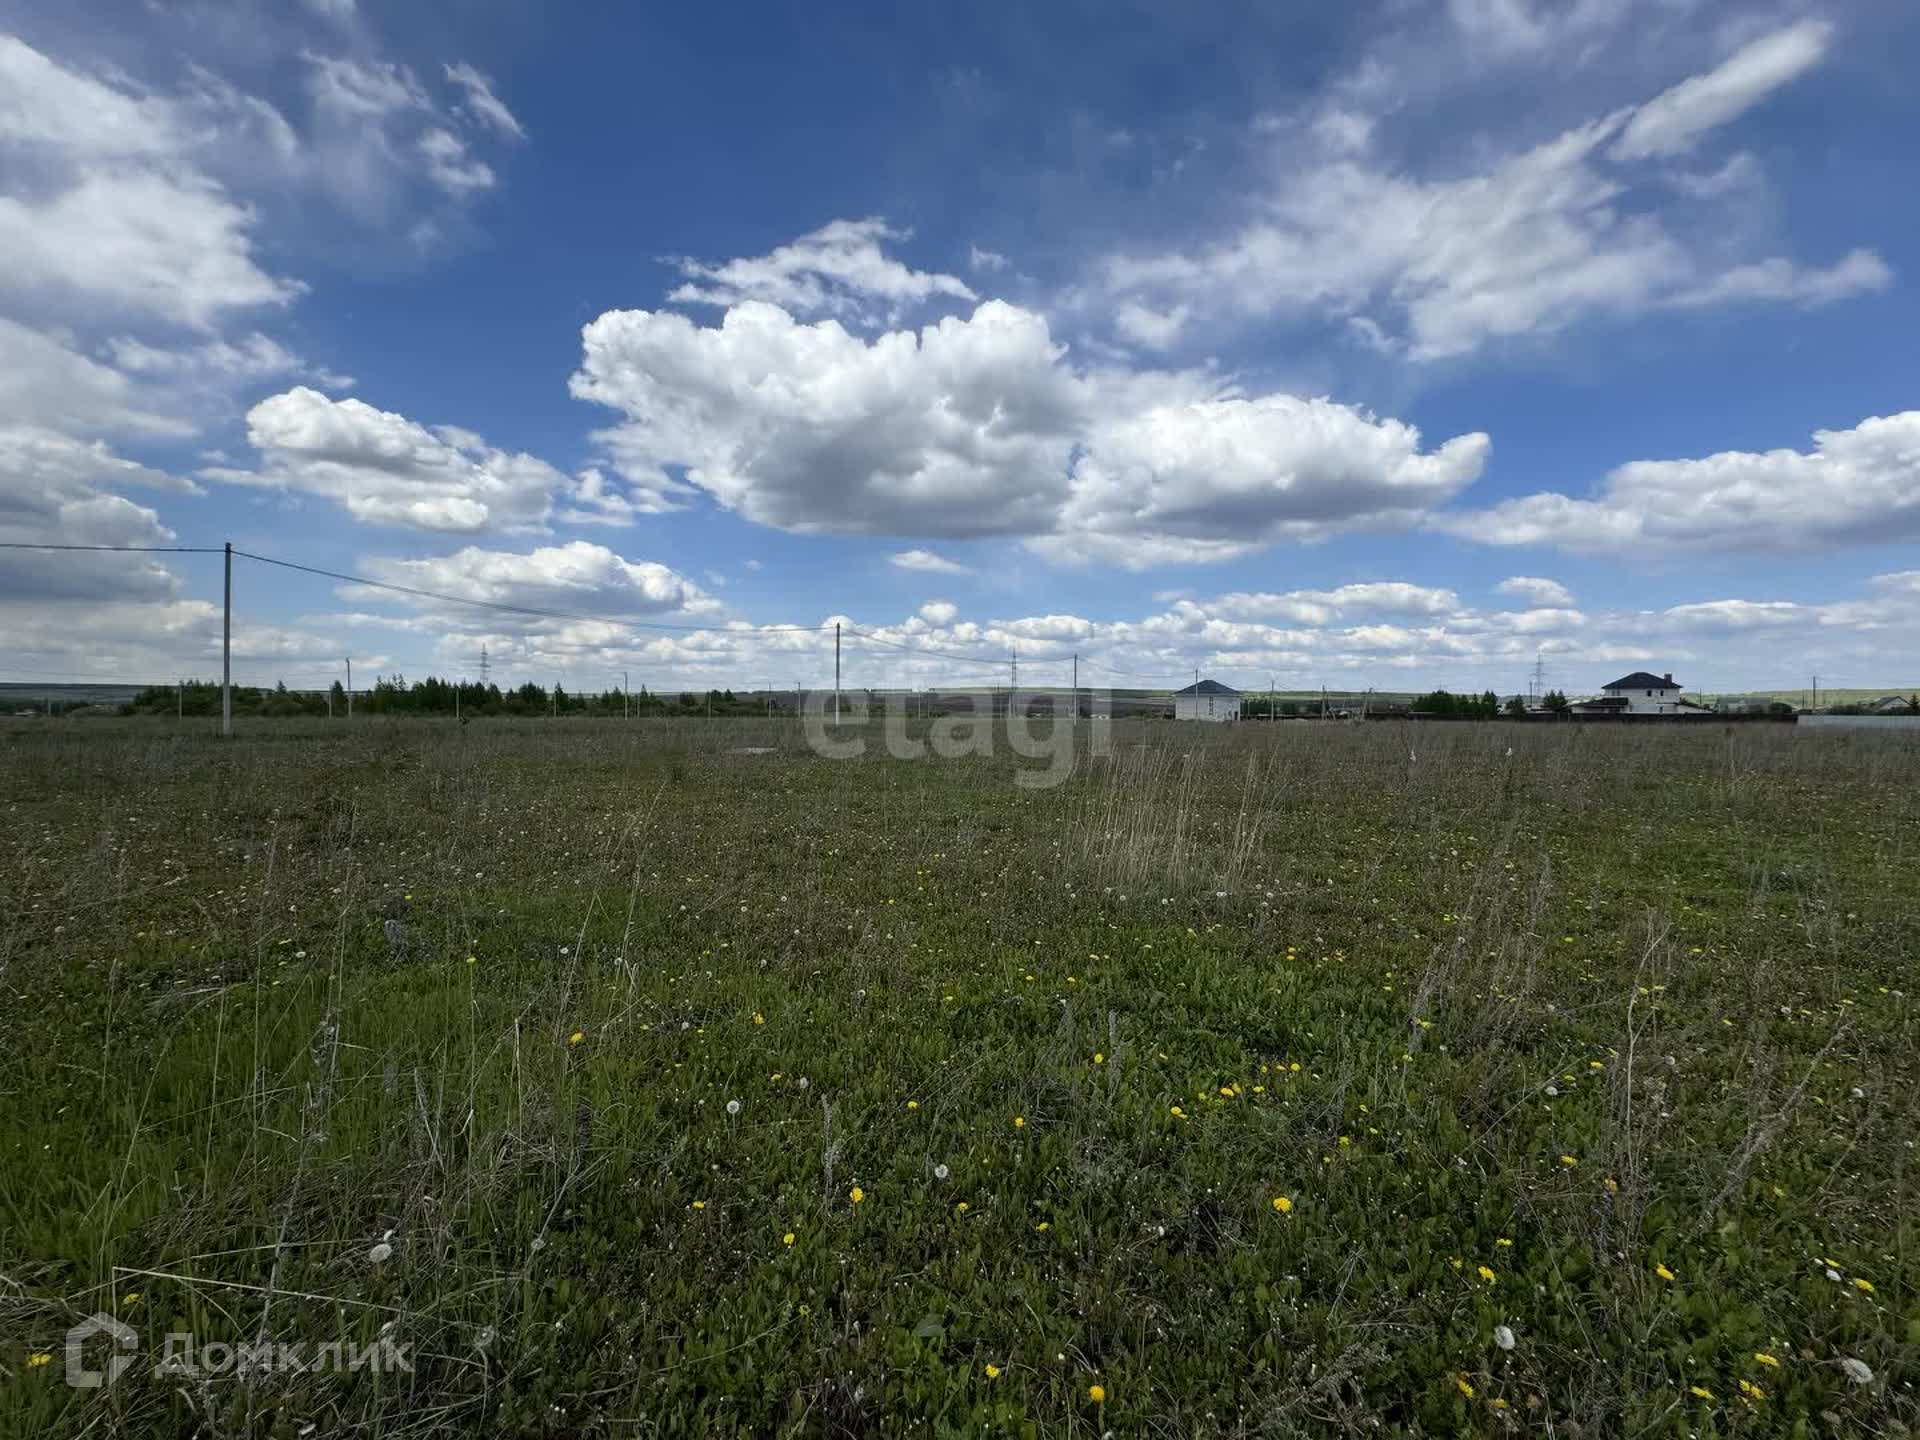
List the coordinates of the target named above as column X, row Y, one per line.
column 226, row 654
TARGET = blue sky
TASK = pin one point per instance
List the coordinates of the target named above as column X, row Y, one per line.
column 1400, row 345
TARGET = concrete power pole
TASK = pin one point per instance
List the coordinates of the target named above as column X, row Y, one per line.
column 349, row 687
column 836, row 672
column 226, row 654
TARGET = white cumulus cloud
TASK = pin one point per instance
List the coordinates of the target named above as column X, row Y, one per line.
column 978, row 426
column 840, row 269
column 1857, row 486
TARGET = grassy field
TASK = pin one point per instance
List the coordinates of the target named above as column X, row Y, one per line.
column 1475, row 1079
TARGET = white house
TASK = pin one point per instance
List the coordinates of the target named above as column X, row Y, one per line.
column 1648, row 695
column 1206, row 700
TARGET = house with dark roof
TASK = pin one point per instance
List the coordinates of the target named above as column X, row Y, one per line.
column 1206, row 700
column 1648, row 694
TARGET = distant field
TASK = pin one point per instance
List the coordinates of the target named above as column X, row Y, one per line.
column 1290, row 1080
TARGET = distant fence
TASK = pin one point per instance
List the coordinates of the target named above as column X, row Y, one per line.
column 1861, row 722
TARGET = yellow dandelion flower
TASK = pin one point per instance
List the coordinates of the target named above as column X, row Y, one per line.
column 1497, row 1404
column 1701, row 1391
column 1663, row 1272
column 1568, row 1160
column 1283, row 1204
column 1487, row 1275
column 1752, row 1391
column 699, row 1205
column 962, row 1208
column 1865, row 1287
column 1099, row 1058
column 758, row 1018
column 787, row 1239
column 993, row 1371
column 1765, row 1359
column 1504, row 1243
column 1176, row 1112
column 576, row 1037
column 38, row 1358
column 1462, row 1384
column 1019, row 1122
column 913, row 1104
column 1042, row 1227
column 132, row 1297
column 1097, row 1394
column 856, row 1195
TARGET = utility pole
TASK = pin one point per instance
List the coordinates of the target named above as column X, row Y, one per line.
column 836, row 672
column 226, row 654
column 625, row 712
column 1816, row 692
column 1076, row 689
column 180, row 701
column 349, row 687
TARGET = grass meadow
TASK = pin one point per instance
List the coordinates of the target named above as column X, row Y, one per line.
column 1471, row 1079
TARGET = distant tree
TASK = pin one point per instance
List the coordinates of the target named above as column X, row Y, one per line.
column 1517, row 708
column 1557, row 703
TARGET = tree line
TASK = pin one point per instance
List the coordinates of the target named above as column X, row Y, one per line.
column 395, row 695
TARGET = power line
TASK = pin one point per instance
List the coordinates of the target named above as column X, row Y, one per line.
column 924, row 650
column 505, row 608
column 117, row 549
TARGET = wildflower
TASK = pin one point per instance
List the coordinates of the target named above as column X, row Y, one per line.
column 1503, row 1336
column 759, row 1019
column 993, row 1371
column 787, row 1239
column 1858, row 1371
column 1177, row 1112
column 576, row 1037
column 940, row 1172
column 1701, row 1391
column 1283, row 1204
column 962, row 1208
column 1764, row 1358
column 380, row 1254
column 1663, row 1272
column 733, row 1107
column 1865, row 1287
column 913, row 1104
column 1460, row 1381
column 1568, row 1160
column 132, row 1297
column 473, row 959
column 1487, row 1275
column 1098, row 1058
column 856, row 1195
column 1097, row 1394
column 38, row 1358
column 1042, row 1227
column 1752, row 1391
column 1019, row 1122
column 1504, row 1243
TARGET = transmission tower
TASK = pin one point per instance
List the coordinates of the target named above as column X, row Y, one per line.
column 485, row 667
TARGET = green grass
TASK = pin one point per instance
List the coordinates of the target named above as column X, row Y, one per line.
column 1340, row 965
